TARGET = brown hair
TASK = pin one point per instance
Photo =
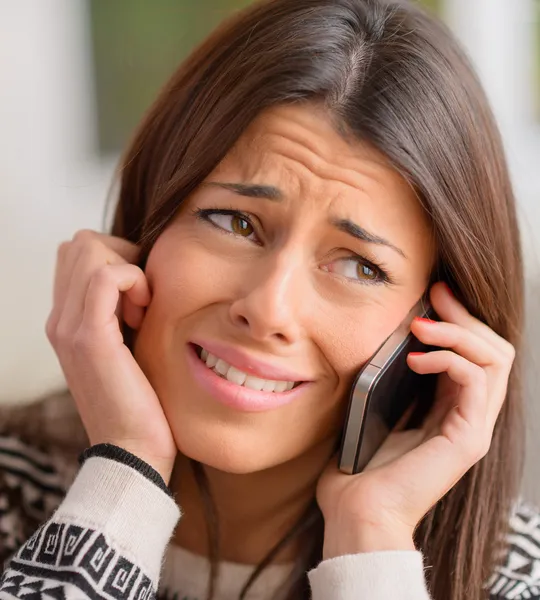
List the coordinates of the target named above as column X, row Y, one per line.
column 389, row 74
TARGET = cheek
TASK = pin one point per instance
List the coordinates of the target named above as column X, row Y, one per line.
column 354, row 336
column 190, row 283
column 184, row 278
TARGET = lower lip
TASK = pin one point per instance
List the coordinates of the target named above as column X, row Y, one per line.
column 237, row 396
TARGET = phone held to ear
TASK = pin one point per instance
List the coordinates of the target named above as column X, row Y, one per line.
column 383, row 391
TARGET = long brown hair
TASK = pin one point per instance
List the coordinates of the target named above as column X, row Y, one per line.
column 392, row 75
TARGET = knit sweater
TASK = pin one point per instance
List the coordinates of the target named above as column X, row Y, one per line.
column 104, row 531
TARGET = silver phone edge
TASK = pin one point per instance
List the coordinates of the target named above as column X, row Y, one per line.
column 355, row 418
column 365, row 381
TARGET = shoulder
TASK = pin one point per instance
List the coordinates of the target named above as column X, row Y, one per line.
column 36, row 469
column 518, row 576
column 50, row 421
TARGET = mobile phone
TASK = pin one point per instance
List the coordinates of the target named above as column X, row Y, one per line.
column 382, row 391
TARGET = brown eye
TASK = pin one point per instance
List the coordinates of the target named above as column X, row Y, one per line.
column 230, row 221
column 359, row 269
column 240, row 226
column 364, row 272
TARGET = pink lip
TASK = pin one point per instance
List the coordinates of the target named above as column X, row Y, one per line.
column 236, row 396
column 239, row 359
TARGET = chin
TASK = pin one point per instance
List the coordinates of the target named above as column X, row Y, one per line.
column 233, row 449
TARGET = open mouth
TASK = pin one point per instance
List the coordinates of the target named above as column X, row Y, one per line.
column 240, row 378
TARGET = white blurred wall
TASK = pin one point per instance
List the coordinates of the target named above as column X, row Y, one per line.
column 52, row 181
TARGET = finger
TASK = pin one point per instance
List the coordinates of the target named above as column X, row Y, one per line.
column 65, row 256
column 451, row 310
column 458, row 338
column 127, row 250
column 86, row 241
column 430, row 470
column 104, row 292
column 90, row 258
column 130, row 313
column 446, row 398
column 496, row 360
column 61, row 270
column 95, row 244
column 473, row 396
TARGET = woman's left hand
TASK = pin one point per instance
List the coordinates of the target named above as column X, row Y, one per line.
column 380, row 508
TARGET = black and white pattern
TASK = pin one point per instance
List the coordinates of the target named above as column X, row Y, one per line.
column 518, row 577
column 31, row 488
column 60, row 554
column 62, row 560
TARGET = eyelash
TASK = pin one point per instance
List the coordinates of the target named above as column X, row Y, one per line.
column 204, row 215
column 383, row 274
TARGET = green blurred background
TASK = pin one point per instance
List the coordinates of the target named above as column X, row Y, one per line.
column 137, row 44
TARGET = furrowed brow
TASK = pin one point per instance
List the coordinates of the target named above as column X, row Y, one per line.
column 252, row 190
column 270, row 192
column 360, row 233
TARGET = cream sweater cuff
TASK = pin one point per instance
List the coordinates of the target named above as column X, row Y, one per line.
column 398, row 575
column 129, row 509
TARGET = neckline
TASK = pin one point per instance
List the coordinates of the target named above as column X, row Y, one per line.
column 176, row 552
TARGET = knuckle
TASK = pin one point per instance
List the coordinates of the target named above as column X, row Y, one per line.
column 473, row 447
column 103, row 276
column 63, row 248
column 449, row 357
column 93, row 250
column 83, row 341
column 509, row 351
column 478, row 374
column 485, row 447
column 50, row 328
column 461, row 334
column 84, row 236
column 62, row 336
column 481, row 447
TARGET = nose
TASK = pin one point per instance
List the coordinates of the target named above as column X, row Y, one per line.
column 269, row 309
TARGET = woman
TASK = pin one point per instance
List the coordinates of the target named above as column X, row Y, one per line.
column 310, row 171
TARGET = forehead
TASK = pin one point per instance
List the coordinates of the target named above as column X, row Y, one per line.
column 298, row 149
column 306, row 135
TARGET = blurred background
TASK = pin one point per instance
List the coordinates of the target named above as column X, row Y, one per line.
column 75, row 78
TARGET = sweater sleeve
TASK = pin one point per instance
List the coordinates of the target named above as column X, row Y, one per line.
column 373, row 575
column 106, row 540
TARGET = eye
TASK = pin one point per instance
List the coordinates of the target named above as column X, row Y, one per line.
column 358, row 269
column 235, row 223
column 241, row 226
column 365, row 272
column 230, row 221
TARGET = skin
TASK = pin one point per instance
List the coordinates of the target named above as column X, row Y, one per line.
column 289, row 294
column 293, row 298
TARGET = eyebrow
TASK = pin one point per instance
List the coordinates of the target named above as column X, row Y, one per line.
column 270, row 192
column 252, row 190
column 362, row 234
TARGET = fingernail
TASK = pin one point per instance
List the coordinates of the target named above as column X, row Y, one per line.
column 416, row 353
column 448, row 288
column 424, row 320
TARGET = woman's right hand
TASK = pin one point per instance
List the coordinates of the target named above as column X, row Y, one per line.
column 96, row 284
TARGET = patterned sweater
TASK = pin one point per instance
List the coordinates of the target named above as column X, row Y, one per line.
column 102, row 531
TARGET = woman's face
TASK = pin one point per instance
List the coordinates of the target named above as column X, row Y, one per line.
column 291, row 263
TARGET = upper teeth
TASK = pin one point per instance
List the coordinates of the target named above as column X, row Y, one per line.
column 240, row 378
